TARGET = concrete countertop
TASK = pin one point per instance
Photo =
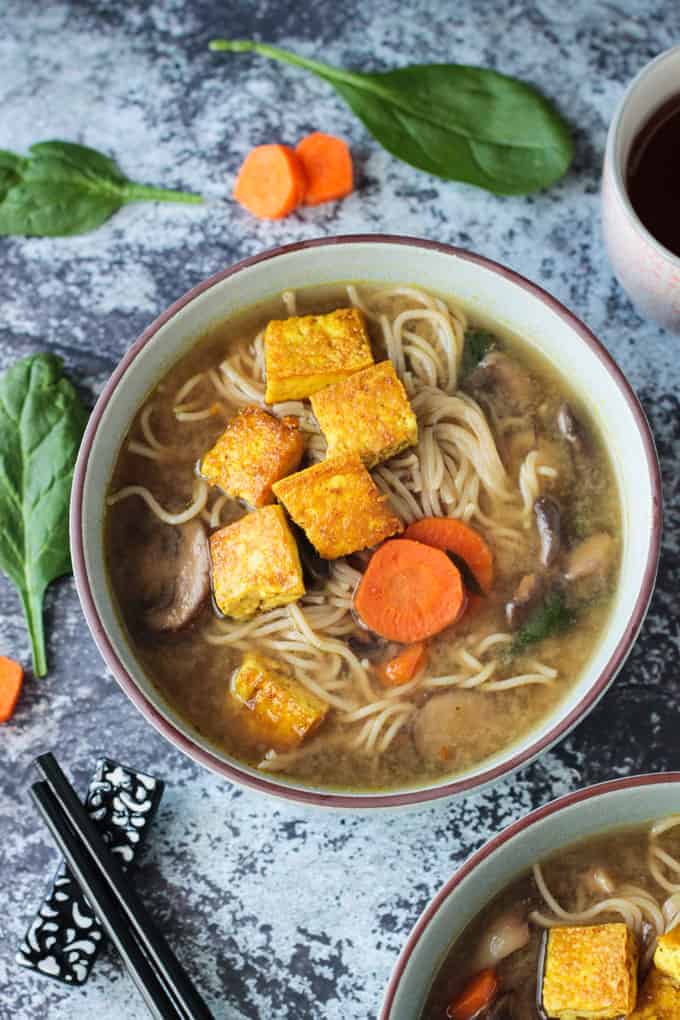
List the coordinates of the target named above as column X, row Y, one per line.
column 277, row 911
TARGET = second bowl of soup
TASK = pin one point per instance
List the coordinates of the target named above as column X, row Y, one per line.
column 572, row 912
column 352, row 521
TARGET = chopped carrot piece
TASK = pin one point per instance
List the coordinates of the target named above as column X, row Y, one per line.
column 271, row 182
column 480, row 991
column 460, row 539
column 328, row 167
column 403, row 667
column 409, row 592
column 11, row 679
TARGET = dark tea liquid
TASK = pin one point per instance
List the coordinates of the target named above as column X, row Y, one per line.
column 653, row 175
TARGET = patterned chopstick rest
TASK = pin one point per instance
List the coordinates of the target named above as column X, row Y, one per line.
column 64, row 939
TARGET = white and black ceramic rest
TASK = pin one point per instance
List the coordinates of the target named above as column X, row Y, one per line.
column 64, row 939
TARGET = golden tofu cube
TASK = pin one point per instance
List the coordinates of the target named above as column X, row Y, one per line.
column 659, row 998
column 255, row 564
column 255, row 451
column 368, row 414
column 282, row 711
column 590, row 973
column 667, row 954
column 308, row 352
column 339, row 506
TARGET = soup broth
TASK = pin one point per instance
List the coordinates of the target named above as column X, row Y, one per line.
column 623, row 876
column 504, row 445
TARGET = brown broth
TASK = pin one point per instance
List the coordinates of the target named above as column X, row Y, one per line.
column 193, row 676
column 622, row 854
column 653, row 175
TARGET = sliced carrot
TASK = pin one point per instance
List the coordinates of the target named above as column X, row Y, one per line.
column 459, row 539
column 11, row 679
column 409, row 591
column 480, row 991
column 328, row 167
column 403, row 667
column 271, row 182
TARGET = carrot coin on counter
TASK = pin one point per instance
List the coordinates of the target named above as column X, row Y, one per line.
column 271, row 182
column 11, row 679
column 328, row 167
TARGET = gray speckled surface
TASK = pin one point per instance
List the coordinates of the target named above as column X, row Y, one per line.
column 280, row 912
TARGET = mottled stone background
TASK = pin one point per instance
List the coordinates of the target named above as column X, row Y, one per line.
column 279, row 912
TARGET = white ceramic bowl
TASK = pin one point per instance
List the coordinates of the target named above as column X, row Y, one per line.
column 483, row 285
column 646, row 270
column 622, row 802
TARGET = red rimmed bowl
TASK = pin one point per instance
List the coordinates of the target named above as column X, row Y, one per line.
column 576, row 816
column 500, row 294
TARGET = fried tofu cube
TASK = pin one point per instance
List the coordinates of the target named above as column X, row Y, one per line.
column 255, row 451
column 659, row 998
column 590, row 973
column 305, row 353
column 255, row 564
column 282, row 711
column 368, row 414
column 667, row 954
column 339, row 506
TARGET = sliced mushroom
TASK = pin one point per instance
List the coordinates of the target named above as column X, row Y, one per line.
column 518, row 444
column 591, row 558
column 571, row 428
column 452, row 729
column 598, row 880
column 502, row 1009
column 173, row 573
column 527, row 595
column 548, row 521
column 498, row 370
column 505, row 936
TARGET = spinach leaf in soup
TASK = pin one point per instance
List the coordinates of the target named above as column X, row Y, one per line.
column 478, row 343
column 457, row 122
column 41, row 424
column 552, row 616
column 63, row 188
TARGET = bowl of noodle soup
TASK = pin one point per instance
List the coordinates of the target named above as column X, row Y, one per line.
column 530, row 445
column 608, row 855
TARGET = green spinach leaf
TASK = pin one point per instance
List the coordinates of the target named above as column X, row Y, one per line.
column 63, row 189
column 11, row 168
column 552, row 616
column 41, row 424
column 478, row 343
column 457, row 122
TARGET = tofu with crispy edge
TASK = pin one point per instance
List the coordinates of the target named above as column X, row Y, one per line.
column 255, row 451
column 339, row 506
column 667, row 955
column 368, row 414
column 280, row 711
column 590, row 973
column 255, row 564
column 305, row 353
column 659, row 998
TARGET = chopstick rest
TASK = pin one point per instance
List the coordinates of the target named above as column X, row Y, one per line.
column 64, row 939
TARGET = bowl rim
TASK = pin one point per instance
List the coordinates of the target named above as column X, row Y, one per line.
column 494, row 844
column 379, row 799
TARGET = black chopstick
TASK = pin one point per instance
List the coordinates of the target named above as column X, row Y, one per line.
column 104, row 905
column 169, row 973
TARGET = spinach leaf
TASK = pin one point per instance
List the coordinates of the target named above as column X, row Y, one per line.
column 457, row 122
column 551, row 617
column 41, row 424
column 63, row 189
column 11, row 168
column 478, row 343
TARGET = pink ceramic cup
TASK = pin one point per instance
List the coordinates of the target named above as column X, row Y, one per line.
column 646, row 270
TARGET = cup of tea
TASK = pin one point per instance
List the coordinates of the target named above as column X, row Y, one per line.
column 641, row 191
